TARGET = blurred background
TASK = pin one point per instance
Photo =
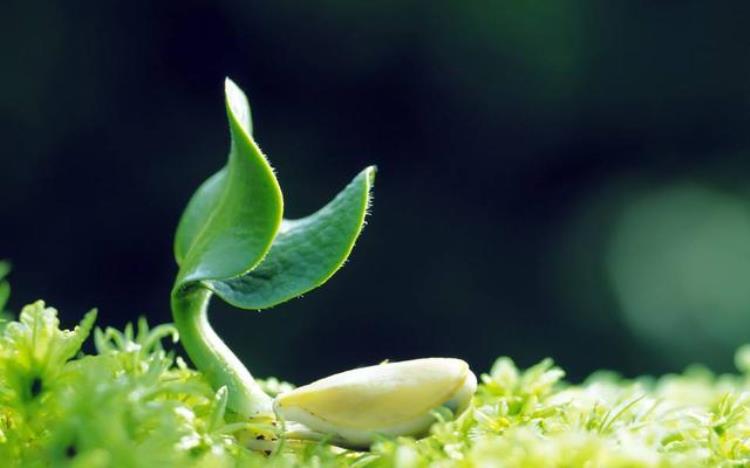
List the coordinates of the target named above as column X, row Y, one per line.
column 565, row 179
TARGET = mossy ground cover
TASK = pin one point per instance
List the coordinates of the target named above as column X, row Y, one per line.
column 135, row 403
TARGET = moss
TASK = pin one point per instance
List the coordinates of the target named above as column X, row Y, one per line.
column 133, row 403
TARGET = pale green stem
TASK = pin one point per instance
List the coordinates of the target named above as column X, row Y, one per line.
column 212, row 356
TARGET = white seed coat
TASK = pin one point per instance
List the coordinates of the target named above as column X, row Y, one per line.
column 391, row 399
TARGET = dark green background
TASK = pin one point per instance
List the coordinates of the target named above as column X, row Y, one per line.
column 510, row 137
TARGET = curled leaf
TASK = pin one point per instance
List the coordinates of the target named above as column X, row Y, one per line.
column 231, row 221
column 305, row 253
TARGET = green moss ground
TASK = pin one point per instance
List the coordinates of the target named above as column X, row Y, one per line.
column 135, row 404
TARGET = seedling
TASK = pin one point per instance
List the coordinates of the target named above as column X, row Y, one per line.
column 232, row 241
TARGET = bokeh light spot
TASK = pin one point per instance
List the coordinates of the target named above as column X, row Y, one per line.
column 679, row 265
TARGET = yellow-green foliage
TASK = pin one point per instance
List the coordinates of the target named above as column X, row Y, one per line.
column 135, row 404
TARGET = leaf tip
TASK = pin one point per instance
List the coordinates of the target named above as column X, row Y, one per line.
column 5, row 267
column 238, row 107
column 371, row 172
column 88, row 320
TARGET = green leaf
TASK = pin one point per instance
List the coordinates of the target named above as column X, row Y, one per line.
column 197, row 213
column 305, row 253
column 207, row 196
column 4, row 294
column 4, row 285
column 231, row 221
column 238, row 106
column 4, row 268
